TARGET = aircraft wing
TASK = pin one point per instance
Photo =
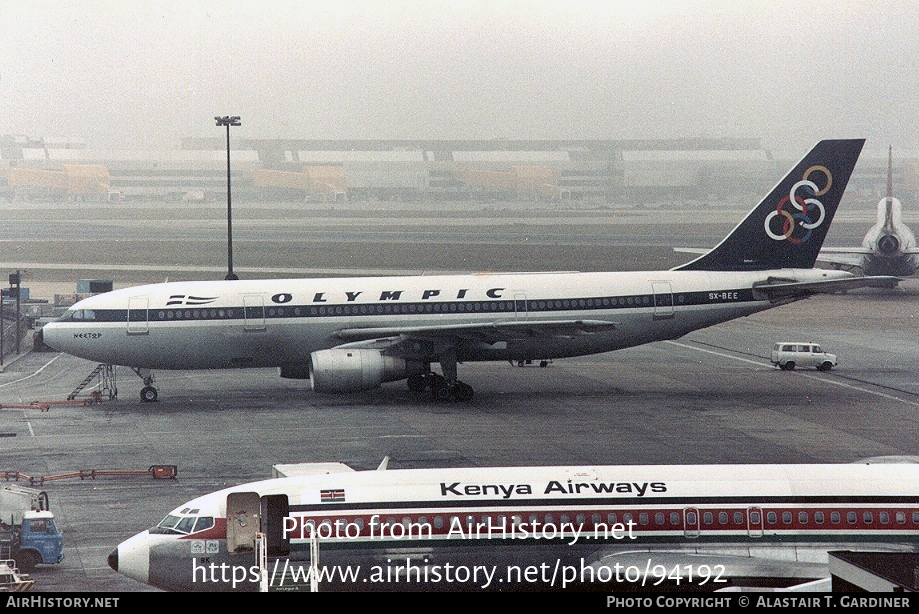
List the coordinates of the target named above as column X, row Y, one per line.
column 488, row 332
column 778, row 289
column 423, row 341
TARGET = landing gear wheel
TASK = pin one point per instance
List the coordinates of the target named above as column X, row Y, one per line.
column 443, row 393
column 437, row 383
column 462, row 392
column 417, row 383
column 148, row 394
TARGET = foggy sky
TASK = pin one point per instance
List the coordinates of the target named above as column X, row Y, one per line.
column 133, row 75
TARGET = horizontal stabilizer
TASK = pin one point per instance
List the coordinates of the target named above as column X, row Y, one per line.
column 308, row 469
column 855, row 260
column 779, row 289
column 845, row 250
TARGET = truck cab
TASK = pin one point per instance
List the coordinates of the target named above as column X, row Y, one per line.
column 35, row 539
column 41, row 536
column 790, row 354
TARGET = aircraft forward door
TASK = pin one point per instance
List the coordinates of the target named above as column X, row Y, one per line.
column 520, row 306
column 663, row 300
column 243, row 516
column 138, row 312
column 275, row 508
column 254, row 307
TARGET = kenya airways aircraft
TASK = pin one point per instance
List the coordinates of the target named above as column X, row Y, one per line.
column 353, row 334
column 495, row 528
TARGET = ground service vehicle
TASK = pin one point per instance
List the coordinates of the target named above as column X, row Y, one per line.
column 28, row 533
column 787, row 355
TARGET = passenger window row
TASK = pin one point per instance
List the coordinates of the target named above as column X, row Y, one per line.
column 502, row 306
column 664, row 519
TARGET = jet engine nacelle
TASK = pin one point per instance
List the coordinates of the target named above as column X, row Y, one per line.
column 888, row 245
column 344, row 370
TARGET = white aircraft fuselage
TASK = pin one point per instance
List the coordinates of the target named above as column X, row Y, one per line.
column 755, row 522
column 275, row 323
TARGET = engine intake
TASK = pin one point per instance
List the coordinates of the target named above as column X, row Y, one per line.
column 888, row 244
column 344, row 370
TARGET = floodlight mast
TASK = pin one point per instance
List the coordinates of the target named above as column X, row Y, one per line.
column 229, row 120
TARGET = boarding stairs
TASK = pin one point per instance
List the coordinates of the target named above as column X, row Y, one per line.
column 281, row 575
column 106, row 375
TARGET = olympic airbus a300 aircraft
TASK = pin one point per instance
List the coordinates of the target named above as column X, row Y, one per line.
column 353, row 334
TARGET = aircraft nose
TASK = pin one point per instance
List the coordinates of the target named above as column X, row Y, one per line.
column 132, row 557
column 51, row 336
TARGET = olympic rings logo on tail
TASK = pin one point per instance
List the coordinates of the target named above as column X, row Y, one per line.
column 801, row 215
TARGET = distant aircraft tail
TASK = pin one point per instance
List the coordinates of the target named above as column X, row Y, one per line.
column 888, row 202
column 788, row 227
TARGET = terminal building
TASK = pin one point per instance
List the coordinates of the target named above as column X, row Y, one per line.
column 635, row 171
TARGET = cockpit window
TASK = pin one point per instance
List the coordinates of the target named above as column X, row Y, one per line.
column 205, row 522
column 183, row 525
column 80, row 315
column 186, row 524
column 166, row 526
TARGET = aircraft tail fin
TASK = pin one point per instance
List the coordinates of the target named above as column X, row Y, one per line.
column 888, row 202
column 788, row 227
column 890, row 171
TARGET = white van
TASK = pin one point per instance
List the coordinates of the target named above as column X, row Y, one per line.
column 790, row 354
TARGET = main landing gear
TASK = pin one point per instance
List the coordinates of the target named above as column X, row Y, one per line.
column 443, row 387
column 441, row 390
column 148, row 393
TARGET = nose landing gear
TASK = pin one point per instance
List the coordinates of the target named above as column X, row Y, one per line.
column 148, row 393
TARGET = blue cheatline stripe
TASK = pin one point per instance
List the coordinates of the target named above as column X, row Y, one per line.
column 530, row 305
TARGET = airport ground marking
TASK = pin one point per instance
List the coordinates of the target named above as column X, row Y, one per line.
column 22, row 379
column 815, row 377
column 690, row 347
